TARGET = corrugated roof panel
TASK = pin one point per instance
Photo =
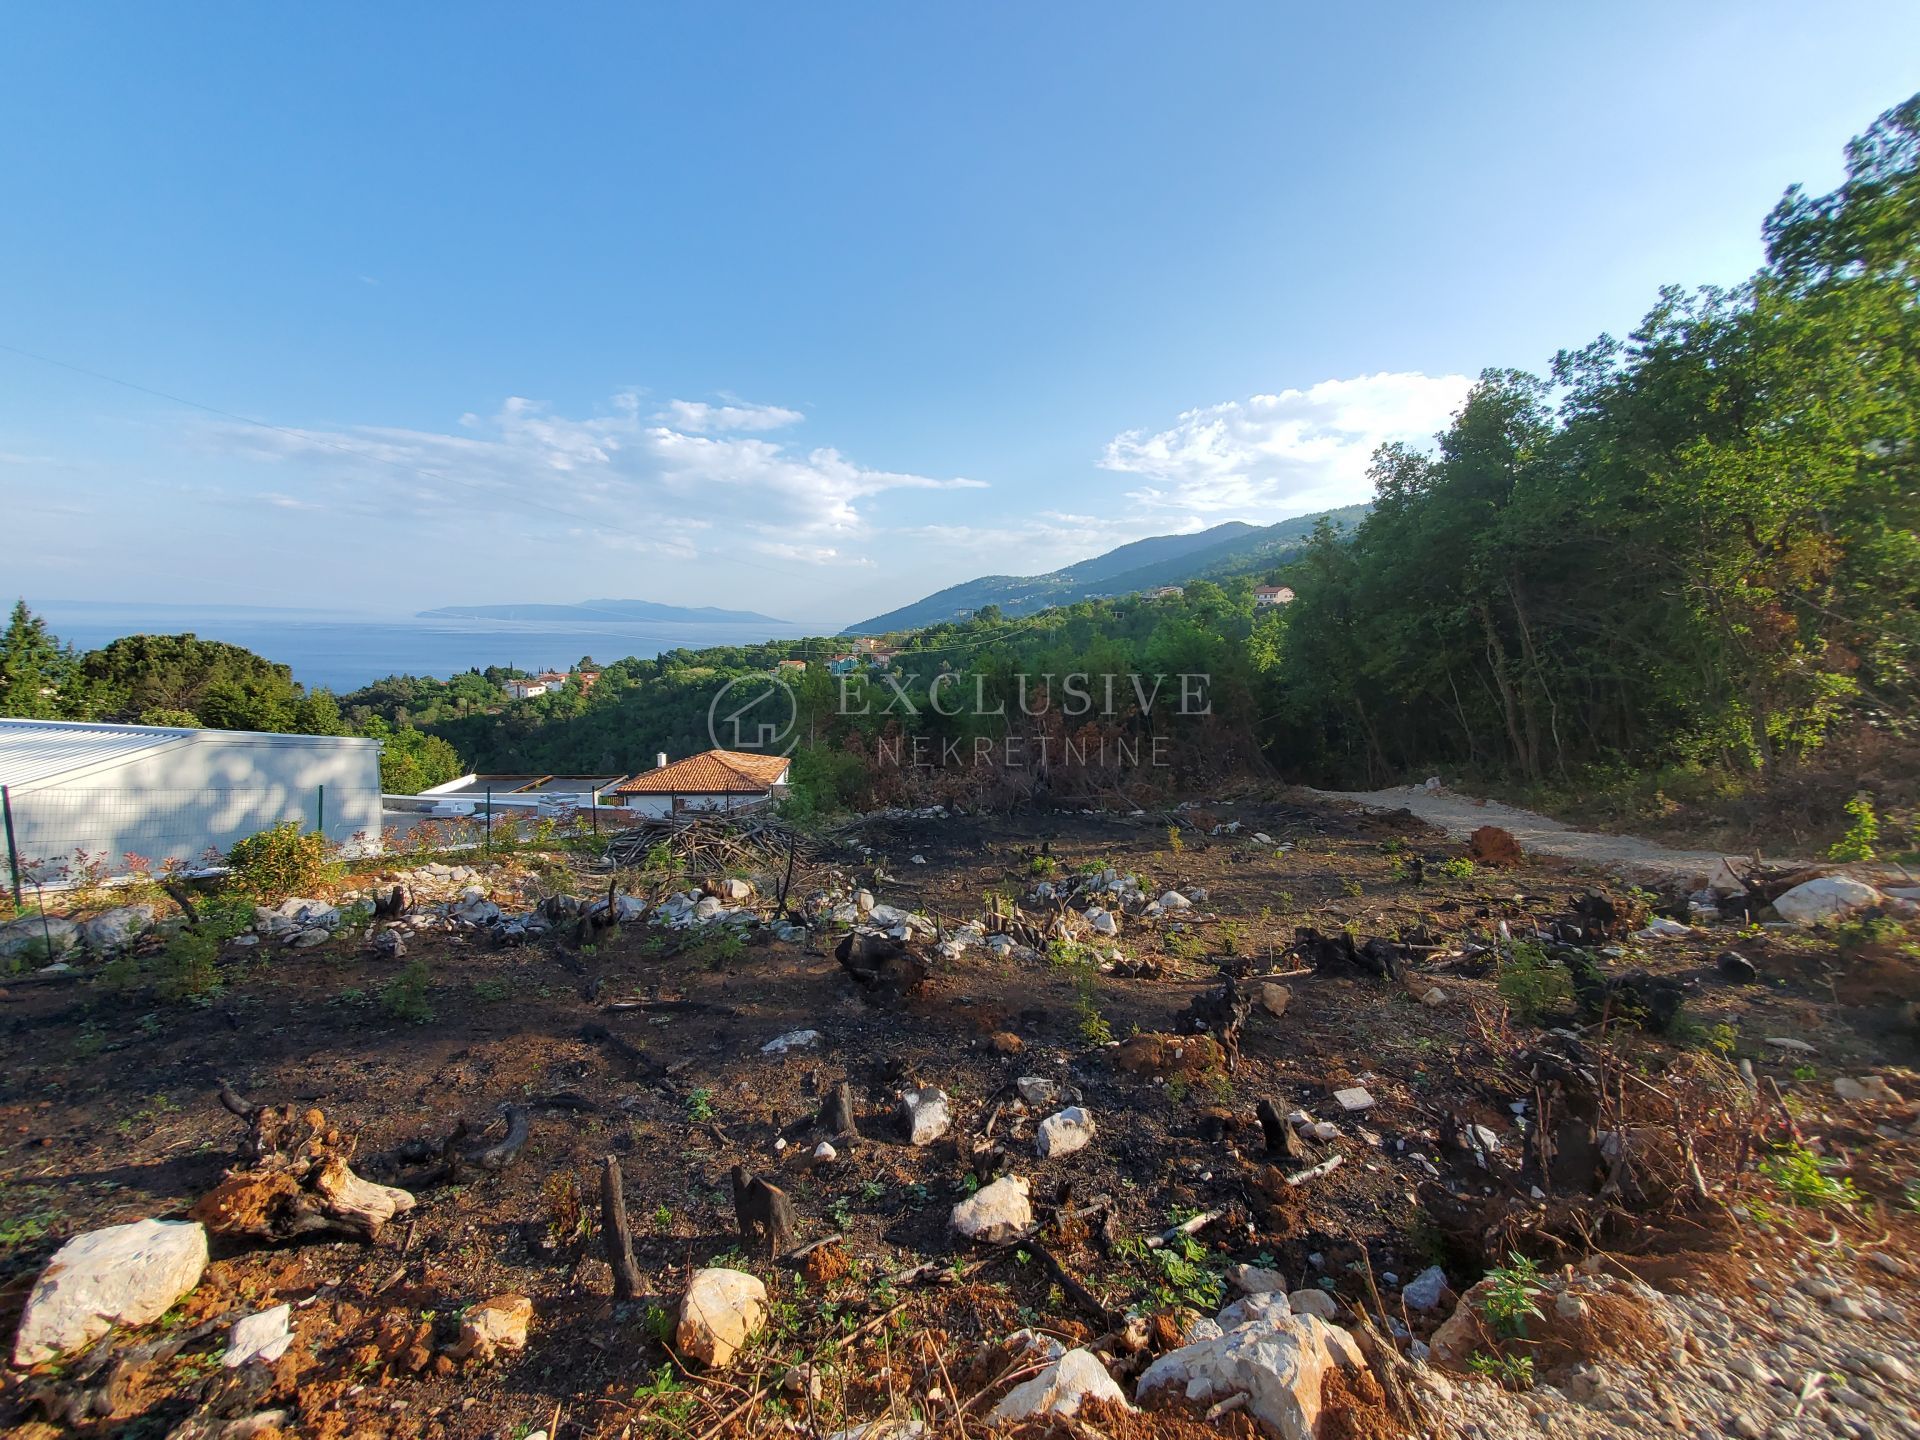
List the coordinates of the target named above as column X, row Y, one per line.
column 32, row 751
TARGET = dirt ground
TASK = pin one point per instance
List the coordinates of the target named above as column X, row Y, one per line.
column 108, row 1112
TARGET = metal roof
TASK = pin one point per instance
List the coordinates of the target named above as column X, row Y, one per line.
column 32, row 751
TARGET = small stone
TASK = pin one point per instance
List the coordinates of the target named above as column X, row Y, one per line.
column 494, row 1325
column 792, row 1040
column 1847, row 1308
column 1353, row 1099
column 1070, row 1130
column 1274, row 998
column 263, row 1337
column 1256, row 1280
column 1426, row 1290
column 824, row 1153
column 927, row 1113
column 722, row 1311
column 1313, row 1302
column 1060, row 1389
column 1174, row 900
column 998, row 1213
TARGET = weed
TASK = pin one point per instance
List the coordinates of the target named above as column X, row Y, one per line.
column 1511, row 1372
column 189, row 967
column 404, row 997
column 492, row 992
column 663, row 1217
column 1532, row 983
column 842, row 1213
column 1184, row 945
column 1174, row 842
column 1043, row 867
column 1233, row 937
column 700, row 1106
column 1458, row 868
column 1352, row 889
column 1508, row 1301
column 1803, row 1180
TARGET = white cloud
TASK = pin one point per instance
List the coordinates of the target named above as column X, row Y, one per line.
column 632, row 479
column 1296, row 451
column 702, row 418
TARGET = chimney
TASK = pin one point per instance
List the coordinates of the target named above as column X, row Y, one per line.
column 660, row 760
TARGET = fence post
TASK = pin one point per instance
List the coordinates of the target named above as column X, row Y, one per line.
column 489, row 841
column 595, row 812
column 320, row 811
column 13, row 851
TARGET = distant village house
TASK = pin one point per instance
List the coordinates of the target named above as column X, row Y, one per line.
column 713, row 780
column 1265, row 597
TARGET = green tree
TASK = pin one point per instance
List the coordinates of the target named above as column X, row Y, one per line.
column 35, row 670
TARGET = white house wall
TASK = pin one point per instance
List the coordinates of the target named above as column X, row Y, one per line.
column 179, row 802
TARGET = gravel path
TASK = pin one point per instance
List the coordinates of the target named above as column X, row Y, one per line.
column 1826, row 1353
column 1461, row 815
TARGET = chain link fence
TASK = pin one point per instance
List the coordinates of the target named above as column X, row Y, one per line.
column 67, row 836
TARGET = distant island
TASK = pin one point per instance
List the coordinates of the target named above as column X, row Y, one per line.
column 602, row 610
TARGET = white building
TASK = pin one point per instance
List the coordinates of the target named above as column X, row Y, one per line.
column 713, row 780
column 1265, row 597
column 174, row 794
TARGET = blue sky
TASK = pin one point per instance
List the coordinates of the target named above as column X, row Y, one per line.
column 813, row 309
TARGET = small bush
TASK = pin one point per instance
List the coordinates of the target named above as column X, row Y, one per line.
column 282, row 861
column 1532, row 984
column 1510, row 1372
column 189, row 967
column 1458, row 868
column 405, row 996
column 1862, row 835
column 1509, row 1300
column 1803, row 1180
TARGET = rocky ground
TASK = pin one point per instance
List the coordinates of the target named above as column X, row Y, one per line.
column 1265, row 1109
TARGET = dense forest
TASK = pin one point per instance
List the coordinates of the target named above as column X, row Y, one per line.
column 1695, row 546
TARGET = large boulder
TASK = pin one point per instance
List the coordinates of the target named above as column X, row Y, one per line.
column 997, row 1213
column 122, row 1275
column 722, row 1311
column 1277, row 1360
column 112, row 931
column 1824, row 901
column 1058, row 1390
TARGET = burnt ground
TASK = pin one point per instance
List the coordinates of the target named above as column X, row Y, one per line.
column 108, row 1113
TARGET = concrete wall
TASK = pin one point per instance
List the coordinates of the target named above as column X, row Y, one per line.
column 657, row 805
column 218, row 787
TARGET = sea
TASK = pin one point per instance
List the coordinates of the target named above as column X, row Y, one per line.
column 343, row 650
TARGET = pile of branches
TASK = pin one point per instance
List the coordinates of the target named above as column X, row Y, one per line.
column 709, row 844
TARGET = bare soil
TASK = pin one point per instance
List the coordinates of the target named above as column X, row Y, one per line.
column 108, row 1113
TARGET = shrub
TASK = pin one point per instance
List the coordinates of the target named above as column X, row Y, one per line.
column 1531, row 983
column 1458, row 868
column 189, row 966
column 282, row 861
column 1862, row 835
column 405, row 996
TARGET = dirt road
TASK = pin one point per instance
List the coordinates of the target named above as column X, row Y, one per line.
column 1460, row 815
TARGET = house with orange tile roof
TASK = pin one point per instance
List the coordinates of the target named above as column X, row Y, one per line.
column 712, row 780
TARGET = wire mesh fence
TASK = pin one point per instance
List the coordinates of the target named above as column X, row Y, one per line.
column 67, row 836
